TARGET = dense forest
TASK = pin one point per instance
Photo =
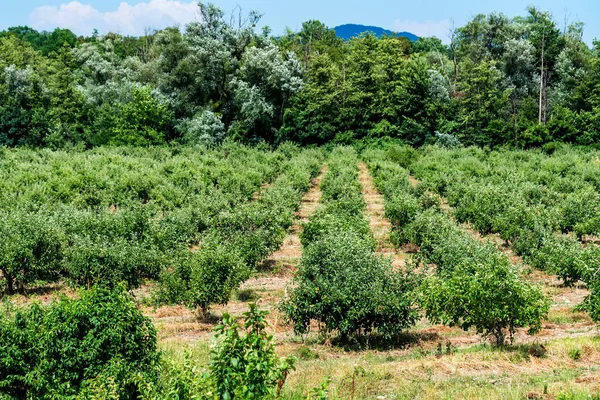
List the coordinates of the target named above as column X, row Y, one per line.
column 519, row 82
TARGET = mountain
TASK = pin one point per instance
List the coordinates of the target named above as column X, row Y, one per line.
column 348, row 31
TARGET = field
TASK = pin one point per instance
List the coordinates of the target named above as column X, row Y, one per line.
column 388, row 274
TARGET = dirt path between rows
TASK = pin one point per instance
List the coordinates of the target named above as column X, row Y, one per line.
column 284, row 261
column 375, row 214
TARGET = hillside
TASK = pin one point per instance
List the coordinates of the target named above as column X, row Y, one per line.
column 348, row 31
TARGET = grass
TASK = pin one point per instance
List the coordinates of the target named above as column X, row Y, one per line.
column 474, row 372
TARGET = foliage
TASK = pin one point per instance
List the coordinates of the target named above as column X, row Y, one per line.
column 244, row 364
column 203, row 278
column 205, row 128
column 123, row 215
column 341, row 283
column 62, row 348
column 472, row 284
column 142, row 122
column 446, row 140
column 238, row 239
column 346, row 288
column 30, row 249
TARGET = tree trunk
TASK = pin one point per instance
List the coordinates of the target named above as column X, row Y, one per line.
column 500, row 337
column 541, row 82
column 10, row 289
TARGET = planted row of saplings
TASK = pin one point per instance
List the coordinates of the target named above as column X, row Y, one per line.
column 544, row 216
column 48, row 235
column 238, row 240
column 106, row 248
column 464, row 282
column 531, row 234
column 341, row 283
column 530, row 230
column 527, row 211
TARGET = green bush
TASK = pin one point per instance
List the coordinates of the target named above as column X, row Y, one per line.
column 108, row 263
column 323, row 224
column 200, row 279
column 474, row 284
column 244, row 364
column 344, row 286
column 404, row 156
column 30, row 249
column 54, row 351
column 490, row 297
column 401, row 209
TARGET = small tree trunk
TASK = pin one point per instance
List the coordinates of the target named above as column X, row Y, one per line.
column 10, row 289
column 541, row 105
column 500, row 337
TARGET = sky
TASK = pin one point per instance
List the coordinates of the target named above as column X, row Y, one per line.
column 423, row 18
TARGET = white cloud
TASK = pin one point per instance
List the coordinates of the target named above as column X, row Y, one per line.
column 127, row 19
column 440, row 29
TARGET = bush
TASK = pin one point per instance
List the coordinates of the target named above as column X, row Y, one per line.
column 347, row 288
column 474, row 284
column 206, row 128
column 100, row 262
column 54, row 351
column 447, row 141
column 203, row 278
column 324, row 224
column 30, row 249
column 489, row 296
column 401, row 209
column 244, row 364
column 404, row 156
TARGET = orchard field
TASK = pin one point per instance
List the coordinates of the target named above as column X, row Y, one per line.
column 251, row 272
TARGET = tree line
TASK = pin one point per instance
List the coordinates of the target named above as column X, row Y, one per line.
column 520, row 82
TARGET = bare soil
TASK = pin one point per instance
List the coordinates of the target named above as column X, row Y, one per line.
column 375, row 214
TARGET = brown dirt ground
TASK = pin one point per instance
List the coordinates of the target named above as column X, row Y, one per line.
column 375, row 214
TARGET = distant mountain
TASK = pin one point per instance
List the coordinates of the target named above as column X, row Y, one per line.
column 348, row 31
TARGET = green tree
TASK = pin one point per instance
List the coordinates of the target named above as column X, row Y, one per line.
column 243, row 363
column 60, row 349
column 482, row 104
column 142, row 122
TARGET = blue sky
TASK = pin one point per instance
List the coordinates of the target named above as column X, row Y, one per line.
column 425, row 18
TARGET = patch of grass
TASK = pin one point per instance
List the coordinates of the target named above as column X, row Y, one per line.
column 565, row 316
column 575, row 354
column 247, row 295
column 306, row 353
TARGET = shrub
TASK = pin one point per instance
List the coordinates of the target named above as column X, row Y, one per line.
column 56, row 350
column 143, row 121
column 244, row 364
column 324, row 224
column 404, row 156
column 474, row 284
column 447, row 141
column 30, row 249
column 203, row 278
column 490, row 297
column 206, row 128
column 109, row 263
column 347, row 288
column 401, row 209
column 561, row 255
